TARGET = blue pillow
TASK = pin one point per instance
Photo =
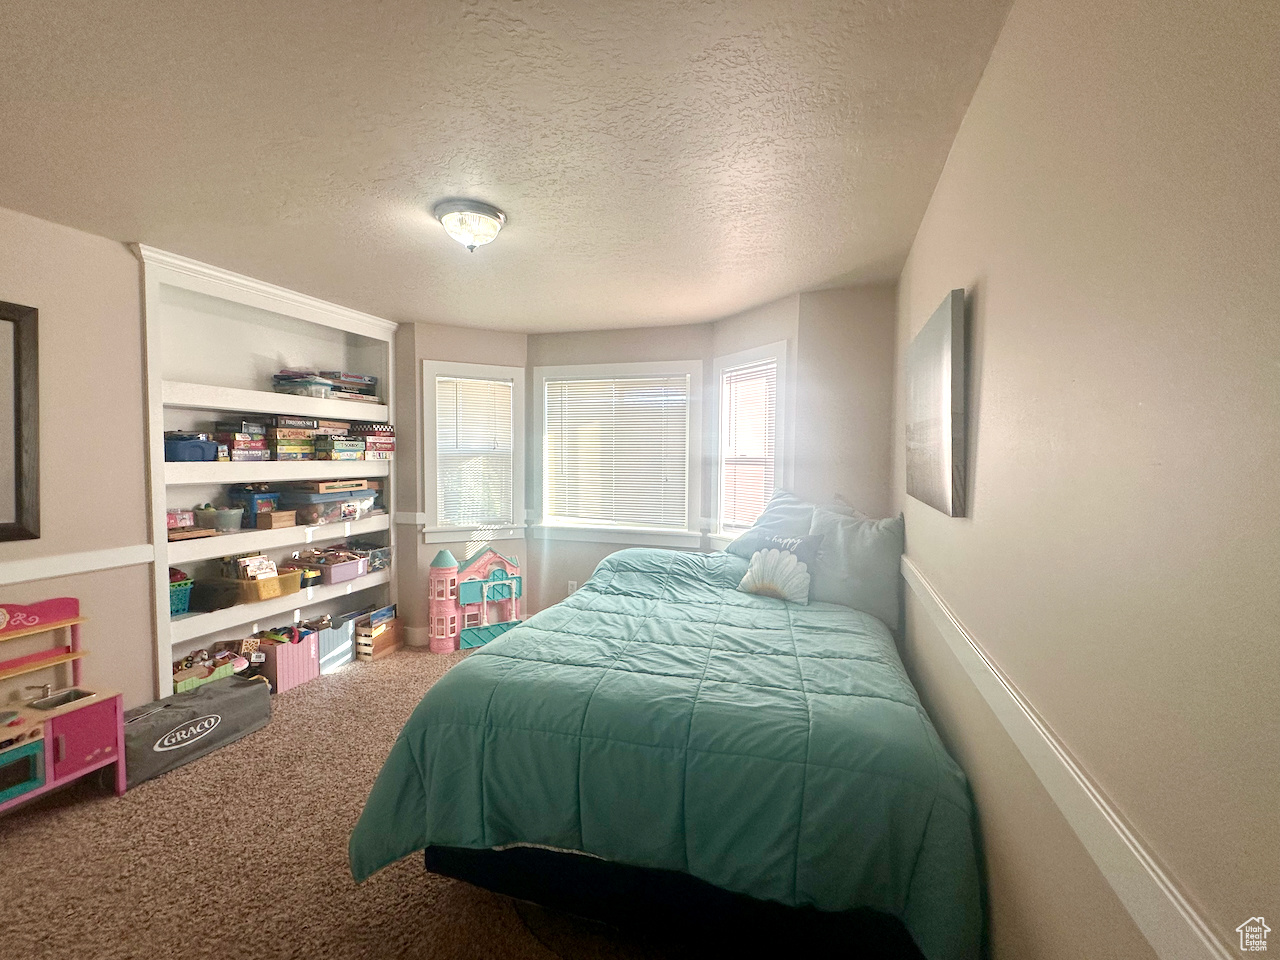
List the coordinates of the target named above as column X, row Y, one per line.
column 785, row 515
column 858, row 564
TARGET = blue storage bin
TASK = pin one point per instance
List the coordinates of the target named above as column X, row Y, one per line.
column 293, row 498
column 327, row 507
column 254, row 503
column 338, row 643
column 181, row 451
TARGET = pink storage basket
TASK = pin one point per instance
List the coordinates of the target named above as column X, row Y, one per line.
column 289, row 665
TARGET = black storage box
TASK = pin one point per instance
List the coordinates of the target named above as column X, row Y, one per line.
column 164, row 735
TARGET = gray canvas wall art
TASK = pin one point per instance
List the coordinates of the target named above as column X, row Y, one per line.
column 935, row 406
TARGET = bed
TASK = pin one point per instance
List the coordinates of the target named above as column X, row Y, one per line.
column 660, row 719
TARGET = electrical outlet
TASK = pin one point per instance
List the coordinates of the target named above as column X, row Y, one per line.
column 573, row 585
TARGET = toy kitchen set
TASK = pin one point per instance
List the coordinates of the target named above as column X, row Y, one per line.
column 61, row 734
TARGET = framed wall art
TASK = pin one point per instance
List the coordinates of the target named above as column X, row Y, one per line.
column 935, row 408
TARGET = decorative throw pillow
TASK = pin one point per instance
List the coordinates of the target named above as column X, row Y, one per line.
column 846, row 509
column 780, row 568
column 785, row 515
column 858, row 565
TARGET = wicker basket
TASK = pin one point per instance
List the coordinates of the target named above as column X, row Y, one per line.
column 224, row 592
column 252, row 591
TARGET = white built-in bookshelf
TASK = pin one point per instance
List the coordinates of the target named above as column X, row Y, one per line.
column 214, row 339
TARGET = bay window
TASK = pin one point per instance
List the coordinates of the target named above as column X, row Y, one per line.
column 619, row 446
column 474, row 455
column 749, row 445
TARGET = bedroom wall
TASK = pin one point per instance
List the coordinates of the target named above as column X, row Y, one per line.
column 416, row 342
column 844, row 396
column 1111, row 206
column 93, row 484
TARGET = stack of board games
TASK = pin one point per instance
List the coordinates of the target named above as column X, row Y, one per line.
column 293, row 438
column 241, row 441
column 332, row 428
column 339, row 448
column 302, row 383
column 379, row 440
column 327, row 384
column 352, row 386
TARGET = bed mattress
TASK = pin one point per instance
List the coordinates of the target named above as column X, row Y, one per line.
column 660, row 718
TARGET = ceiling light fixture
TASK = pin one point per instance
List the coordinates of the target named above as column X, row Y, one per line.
column 470, row 222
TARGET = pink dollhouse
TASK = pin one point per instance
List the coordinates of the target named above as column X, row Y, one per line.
column 472, row 602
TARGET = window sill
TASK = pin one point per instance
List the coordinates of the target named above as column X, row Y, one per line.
column 719, row 541
column 466, row 534
column 634, row 536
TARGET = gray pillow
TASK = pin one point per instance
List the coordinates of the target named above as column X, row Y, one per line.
column 785, row 515
column 780, row 568
column 858, row 563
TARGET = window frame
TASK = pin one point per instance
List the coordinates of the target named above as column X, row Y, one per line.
column 432, row 530
column 688, row 536
column 720, row 536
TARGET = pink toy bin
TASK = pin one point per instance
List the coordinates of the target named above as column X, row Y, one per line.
column 290, row 665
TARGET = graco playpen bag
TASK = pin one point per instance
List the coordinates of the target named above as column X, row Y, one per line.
column 164, row 735
column 661, row 718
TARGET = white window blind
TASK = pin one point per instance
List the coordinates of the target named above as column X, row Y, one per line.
column 617, row 451
column 748, row 412
column 474, row 451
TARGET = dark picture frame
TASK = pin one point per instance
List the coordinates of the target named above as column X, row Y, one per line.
column 936, row 409
column 26, row 423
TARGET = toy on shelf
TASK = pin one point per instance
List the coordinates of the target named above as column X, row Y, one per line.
column 201, row 667
column 181, row 525
column 472, row 602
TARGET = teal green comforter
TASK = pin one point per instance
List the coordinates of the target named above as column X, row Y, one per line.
column 661, row 718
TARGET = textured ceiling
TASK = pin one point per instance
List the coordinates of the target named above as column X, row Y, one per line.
column 659, row 161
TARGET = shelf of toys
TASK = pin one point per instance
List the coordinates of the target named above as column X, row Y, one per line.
column 271, row 435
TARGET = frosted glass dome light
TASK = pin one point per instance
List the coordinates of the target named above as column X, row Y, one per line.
column 470, row 222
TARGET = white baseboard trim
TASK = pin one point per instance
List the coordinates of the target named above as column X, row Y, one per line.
column 1164, row 914
column 70, row 564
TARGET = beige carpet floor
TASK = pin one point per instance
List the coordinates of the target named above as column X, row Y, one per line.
column 242, row 854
